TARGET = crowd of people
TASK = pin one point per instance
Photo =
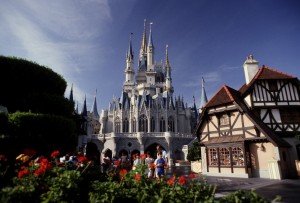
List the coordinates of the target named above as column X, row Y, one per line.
column 155, row 166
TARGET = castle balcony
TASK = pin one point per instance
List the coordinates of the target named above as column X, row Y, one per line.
column 142, row 134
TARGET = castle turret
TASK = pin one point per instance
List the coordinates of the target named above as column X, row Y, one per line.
column 150, row 49
column 203, row 99
column 169, row 86
column 94, row 110
column 129, row 70
column 143, row 50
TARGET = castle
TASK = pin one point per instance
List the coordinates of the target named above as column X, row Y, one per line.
column 146, row 113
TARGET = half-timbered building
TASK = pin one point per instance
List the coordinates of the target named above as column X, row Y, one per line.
column 251, row 132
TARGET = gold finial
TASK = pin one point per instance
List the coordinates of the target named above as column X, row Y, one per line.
column 144, row 42
column 167, row 56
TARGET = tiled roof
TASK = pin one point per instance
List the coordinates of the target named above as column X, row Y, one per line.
column 225, row 139
column 266, row 73
column 223, row 96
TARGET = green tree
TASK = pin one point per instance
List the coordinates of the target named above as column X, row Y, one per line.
column 194, row 152
column 38, row 112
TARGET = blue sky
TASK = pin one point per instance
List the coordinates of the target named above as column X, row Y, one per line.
column 85, row 41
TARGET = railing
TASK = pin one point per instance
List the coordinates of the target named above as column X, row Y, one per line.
column 142, row 134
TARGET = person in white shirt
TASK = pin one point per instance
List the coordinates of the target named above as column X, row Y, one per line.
column 149, row 161
column 137, row 161
column 164, row 153
column 106, row 163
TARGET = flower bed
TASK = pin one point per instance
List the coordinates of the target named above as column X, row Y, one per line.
column 48, row 180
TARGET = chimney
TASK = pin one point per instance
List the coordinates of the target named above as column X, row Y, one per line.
column 250, row 68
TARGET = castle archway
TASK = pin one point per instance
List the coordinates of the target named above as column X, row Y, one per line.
column 152, row 149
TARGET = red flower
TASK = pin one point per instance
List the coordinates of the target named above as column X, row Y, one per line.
column 39, row 171
column 117, row 162
column 45, row 165
column 55, row 154
column 171, row 181
column 152, row 165
column 123, row 172
column 182, row 180
column 137, row 177
column 143, row 156
column 29, row 152
column 192, row 176
column 83, row 159
column 22, row 173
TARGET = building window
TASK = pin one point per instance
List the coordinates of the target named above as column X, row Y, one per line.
column 143, row 123
column 289, row 115
column 171, row 127
column 125, row 125
column 224, row 157
column 133, row 125
column 117, row 125
column 224, row 120
column 152, row 125
column 237, row 156
column 213, row 157
column 162, row 125
column 273, row 86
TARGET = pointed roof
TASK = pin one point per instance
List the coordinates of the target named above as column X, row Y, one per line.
column 228, row 95
column 71, row 94
column 150, row 42
column 94, row 109
column 195, row 109
column 223, row 96
column 84, row 109
column 167, row 64
column 144, row 40
column 203, row 99
column 265, row 73
column 130, row 52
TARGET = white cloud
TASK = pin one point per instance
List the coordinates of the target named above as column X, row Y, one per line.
column 57, row 34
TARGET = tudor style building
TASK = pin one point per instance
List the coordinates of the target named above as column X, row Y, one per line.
column 251, row 132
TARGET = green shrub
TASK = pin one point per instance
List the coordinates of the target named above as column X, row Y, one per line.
column 194, row 152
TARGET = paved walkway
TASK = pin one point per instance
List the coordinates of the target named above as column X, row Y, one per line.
column 288, row 189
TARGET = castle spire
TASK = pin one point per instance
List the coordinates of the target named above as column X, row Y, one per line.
column 84, row 109
column 144, row 41
column 129, row 70
column 195, row 110
column 167, row 57
column 203, row 99
column 150, row 43
column 130, row 52
column 71, row 94
column 94, row 109
column 150, row 49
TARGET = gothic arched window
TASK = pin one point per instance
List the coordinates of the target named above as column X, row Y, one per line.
column 143, row 123
column 125, row 125
column 162, row 125
column 171, row 126
column 117, row 125
column 133, row 125
column 152, row 125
